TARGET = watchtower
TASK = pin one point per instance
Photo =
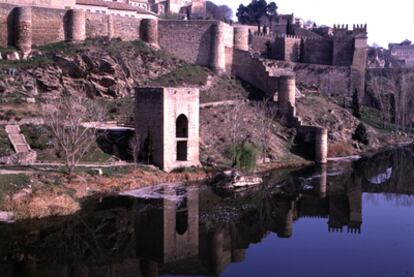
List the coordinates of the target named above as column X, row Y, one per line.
column 167, row 123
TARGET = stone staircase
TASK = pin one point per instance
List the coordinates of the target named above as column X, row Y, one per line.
column 17, row 139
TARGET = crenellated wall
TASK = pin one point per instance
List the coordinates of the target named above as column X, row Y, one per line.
column 287, row 48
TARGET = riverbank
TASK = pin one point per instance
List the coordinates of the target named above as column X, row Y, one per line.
column 43, row 192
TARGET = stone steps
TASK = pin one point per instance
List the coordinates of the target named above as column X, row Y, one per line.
column 17, row 139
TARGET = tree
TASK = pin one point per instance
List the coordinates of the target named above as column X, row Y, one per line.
column 355, row 104
column 265, row 115
column 223, row 12
column 74, row 121
column 235, row 118
column 253, row 13
column 134, row 147
column 361, row 134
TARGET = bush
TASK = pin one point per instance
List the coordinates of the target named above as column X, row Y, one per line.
column 361, row 134
column 243, row 156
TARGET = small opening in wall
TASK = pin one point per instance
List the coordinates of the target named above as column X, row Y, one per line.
column 181, row 150
column 182, row 127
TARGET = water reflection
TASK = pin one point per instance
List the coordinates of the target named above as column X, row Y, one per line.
column 191, row 230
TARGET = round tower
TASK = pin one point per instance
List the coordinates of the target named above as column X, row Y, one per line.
column 23, row 29
column 111, row 28
column 149, row 31
column 75, row 25
column 218, row 57
column 321, row 146
column 287, row 95
column 241, row 38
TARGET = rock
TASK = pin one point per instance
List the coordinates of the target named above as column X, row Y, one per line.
column 69, row 67
column 13, row 56
column 1, row 56
column 6, row 217
column 31, row 100
column 235, row 181
column 96, row 171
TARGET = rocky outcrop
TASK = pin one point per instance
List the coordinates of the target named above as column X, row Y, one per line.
column 99, row 68
column 23, row 158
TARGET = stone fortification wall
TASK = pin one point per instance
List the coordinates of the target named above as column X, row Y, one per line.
column 98, row 25
column 313, row 143
column 253, row 71
column 188, row 40
column 317, row 51
column 333, row 80
column 287, row 48
column 48, row 25
column 200, row 42
column 261, row 43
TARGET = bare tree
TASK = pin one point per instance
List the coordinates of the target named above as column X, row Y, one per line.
column 73, row 122
column 265, row 115
column 235, row 118
column 134, row 147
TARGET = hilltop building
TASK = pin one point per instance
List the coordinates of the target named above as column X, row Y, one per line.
column 402, row 53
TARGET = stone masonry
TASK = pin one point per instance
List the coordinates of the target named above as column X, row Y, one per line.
column 167, row 123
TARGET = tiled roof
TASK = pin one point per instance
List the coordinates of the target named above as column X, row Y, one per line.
column 91, row 2
column 113, row 5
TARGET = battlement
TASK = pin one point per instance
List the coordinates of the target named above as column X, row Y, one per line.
column 338, row 27
column 289, row 36
column 260, row 34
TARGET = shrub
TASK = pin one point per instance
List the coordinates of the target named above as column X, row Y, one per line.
column 361, row 134
column 243, row 155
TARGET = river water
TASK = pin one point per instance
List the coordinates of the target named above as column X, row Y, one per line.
column 344, row 219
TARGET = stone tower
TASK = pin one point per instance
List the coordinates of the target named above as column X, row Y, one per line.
column 170, row 232
column 167, row 122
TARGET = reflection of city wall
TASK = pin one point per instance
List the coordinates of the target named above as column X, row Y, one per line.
column 126, row 237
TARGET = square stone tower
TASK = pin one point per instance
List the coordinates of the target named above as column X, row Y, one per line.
column 167, row 122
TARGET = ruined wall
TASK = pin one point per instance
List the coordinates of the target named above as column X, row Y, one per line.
column 188, row 40
column 333, row 80
column 317, row 51
column 253, row 71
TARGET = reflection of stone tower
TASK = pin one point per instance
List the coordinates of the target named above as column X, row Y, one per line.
column 167, row 122
column 170, row 233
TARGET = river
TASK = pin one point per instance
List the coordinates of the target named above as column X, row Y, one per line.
column 343, row 219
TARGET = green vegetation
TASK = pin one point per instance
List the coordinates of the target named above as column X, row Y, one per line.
column 243, row 155
column 183, row 75
column 361, row 134
column 5, row 146
column 374, row 118
column 10, row 183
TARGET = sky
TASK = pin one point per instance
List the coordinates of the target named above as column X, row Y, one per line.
column 388, row 21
